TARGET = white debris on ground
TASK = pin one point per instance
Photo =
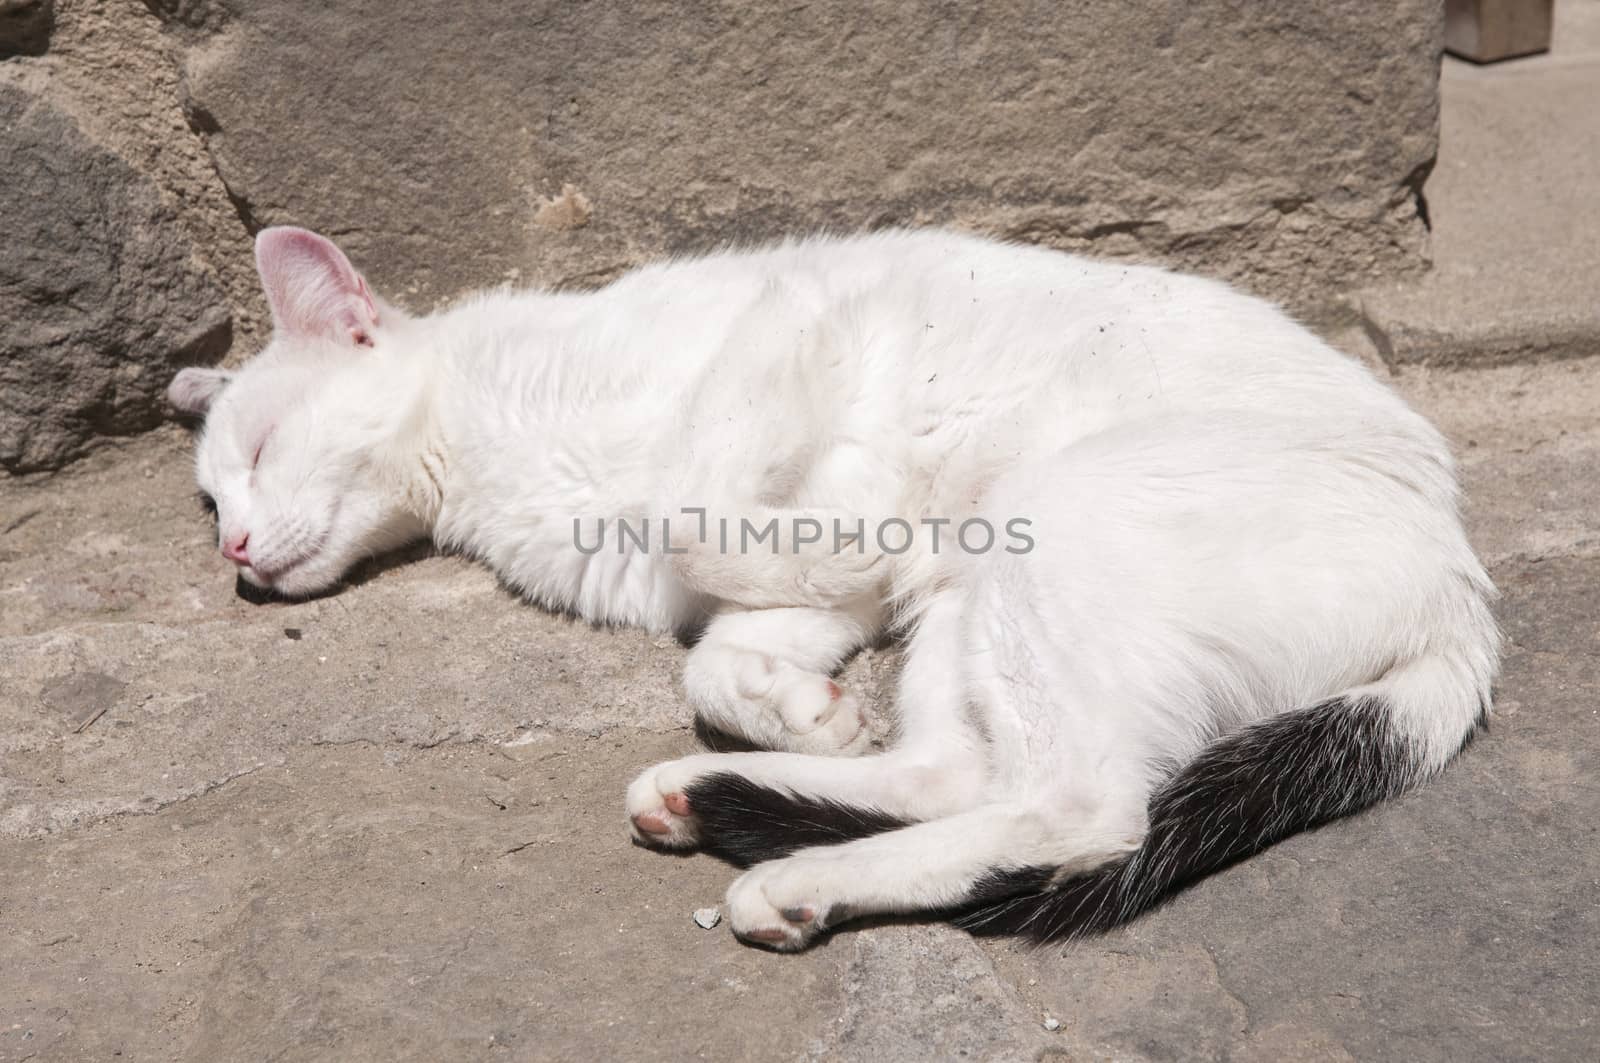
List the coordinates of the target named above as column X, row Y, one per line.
column 1051, row 1023
column 706, row 918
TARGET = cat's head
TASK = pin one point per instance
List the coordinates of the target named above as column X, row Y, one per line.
column 299, row 447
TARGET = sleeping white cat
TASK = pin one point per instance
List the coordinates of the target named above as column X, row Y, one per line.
column 1248, row 606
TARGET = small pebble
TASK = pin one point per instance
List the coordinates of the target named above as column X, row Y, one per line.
column 706, row 918
column 1052, row 1024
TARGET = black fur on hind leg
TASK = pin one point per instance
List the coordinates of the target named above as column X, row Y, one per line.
column 746, row 823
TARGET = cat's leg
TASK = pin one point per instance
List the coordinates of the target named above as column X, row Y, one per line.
column 936, row 767
column 747, row 524
column 765, row 557
column 938, row 865
column 1053, row 779
column 764, row 676
column 750, row 807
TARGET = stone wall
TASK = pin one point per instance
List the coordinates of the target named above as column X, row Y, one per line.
column 455, row 143
column 123, row 256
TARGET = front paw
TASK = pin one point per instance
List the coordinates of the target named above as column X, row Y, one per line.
column 778, row 905
column 826, row 579
column 659, row 815
column 819, row 716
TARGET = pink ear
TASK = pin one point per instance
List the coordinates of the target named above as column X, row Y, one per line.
column 312, row 288
column 193, row 389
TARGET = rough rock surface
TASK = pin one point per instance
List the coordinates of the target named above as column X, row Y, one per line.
column 110, row 79
column 1282, row 145
column 101, row 298
column 387, row 825
column 112, row 66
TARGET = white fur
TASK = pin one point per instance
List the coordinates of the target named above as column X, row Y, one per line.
column 1231, row 520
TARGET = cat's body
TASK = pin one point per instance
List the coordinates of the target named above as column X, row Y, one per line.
column 1241, row 603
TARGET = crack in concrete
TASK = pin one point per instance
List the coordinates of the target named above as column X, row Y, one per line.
column 1246, row 1023
column 1582, row 550
column 140, row 806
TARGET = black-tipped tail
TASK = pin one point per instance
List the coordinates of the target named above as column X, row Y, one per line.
column 1242, row 793
column 746, row 823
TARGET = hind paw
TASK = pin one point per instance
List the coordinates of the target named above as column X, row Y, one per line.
column 778, row 905
column 658, row 812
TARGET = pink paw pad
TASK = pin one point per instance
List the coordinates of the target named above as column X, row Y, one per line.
column 677, row 804
column 650, row 823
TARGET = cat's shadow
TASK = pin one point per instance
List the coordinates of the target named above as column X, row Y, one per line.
column 363, row 572
column 378, row 565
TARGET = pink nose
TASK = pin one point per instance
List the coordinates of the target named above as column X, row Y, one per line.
column 234, row 550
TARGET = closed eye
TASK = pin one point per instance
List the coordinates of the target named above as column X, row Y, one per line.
column 207, row 503
column 255, row 459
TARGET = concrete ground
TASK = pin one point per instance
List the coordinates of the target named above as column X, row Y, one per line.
column 387, row 824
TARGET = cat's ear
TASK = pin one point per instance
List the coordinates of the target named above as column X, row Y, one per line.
column 193, row 389
column 312, row 288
